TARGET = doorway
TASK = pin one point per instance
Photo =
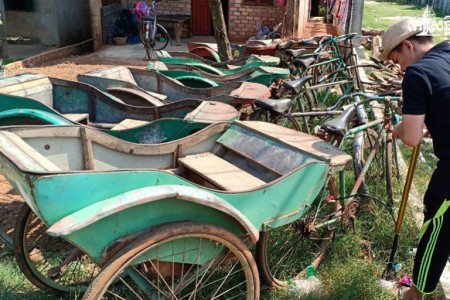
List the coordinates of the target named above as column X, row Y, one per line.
column 201, row 16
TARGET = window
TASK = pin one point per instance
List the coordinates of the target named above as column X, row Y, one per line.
column 258, row 2
column 26, row 5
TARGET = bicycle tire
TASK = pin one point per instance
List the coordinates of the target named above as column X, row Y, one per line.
column 287, row 121
column 302, row 103
column 178, row 279
column 260, row 114
column 388, row 168
column 161, row 39
column 142, row 33
column 376, row 170
column 36, row 252
column 354, row 72
column 296, row 248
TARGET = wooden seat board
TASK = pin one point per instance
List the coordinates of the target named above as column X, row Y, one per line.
column 76, row 117
column 142, row 95
column 302, row 141
column 220, row 172
column 128, row 124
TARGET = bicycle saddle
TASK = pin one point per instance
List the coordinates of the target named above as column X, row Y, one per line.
column 279, row 105
column 297, row 85
column 304, row 62
column 148, row 18
column 295, row 52
column 340, row 124
column 284, row 45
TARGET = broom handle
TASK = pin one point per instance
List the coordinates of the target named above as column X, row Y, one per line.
column 407, row 188
column 402, row 209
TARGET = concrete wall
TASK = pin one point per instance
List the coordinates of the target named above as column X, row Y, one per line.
column 52, row 23
column 242, row 19
column 74, row 23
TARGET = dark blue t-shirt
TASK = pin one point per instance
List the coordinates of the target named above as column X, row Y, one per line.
column 426, row 91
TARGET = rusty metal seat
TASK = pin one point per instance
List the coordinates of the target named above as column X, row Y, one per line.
column 340, row 124
column 295, row 52
column 297, row 85
column 278, row 105
column 304, row 62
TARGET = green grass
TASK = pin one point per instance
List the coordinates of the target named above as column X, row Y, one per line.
column 381, row 15
column 13, row 284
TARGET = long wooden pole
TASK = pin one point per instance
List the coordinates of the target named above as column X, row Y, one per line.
column 401, row 211
column 220, row 30
column 4, row 44
column 96, row 22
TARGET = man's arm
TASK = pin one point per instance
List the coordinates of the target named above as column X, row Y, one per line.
column 410, row 130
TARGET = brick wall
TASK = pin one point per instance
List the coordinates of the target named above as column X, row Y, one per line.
column 242, row 19
column 174, row 7
column 168, row 7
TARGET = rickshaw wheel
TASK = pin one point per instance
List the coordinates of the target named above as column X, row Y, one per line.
column 40, row 257
column 285, row 252
column 180, row 261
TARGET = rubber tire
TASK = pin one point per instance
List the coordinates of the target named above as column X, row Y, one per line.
column 25, row 263
column 308, row 105
column 170, row 231
column 288, row 122
column 262, row 253
column 380, row 158
column 388, row 169
column 148, row 44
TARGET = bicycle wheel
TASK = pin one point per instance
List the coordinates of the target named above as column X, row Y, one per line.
column 363, row 144
column 180, row 261
column 142, row 33
column 284, row 252
column 287, row 121
column 40, row 257
column 161, row 38
column 389, row 157
column 302, row 102
column 354, row 72
column 260, row 114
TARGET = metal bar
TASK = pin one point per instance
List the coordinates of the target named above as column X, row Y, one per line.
column 364, row 127
column 316, row 113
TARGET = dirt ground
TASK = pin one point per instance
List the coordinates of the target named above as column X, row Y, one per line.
column 67, row 68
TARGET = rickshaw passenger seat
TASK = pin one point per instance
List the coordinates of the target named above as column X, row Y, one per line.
column 12, row 145
column 220, row 172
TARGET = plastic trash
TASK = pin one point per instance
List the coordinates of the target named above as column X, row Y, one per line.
column 397, row 267
column 386, row 285
column 310, row 285
column 405, row 281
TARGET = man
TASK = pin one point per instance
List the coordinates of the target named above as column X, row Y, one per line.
column 426, row 100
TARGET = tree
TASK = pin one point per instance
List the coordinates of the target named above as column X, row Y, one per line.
column 220, row 30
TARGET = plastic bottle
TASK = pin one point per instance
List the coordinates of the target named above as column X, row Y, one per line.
column 302, row 287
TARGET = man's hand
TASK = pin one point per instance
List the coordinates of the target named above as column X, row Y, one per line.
column 410, row 130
